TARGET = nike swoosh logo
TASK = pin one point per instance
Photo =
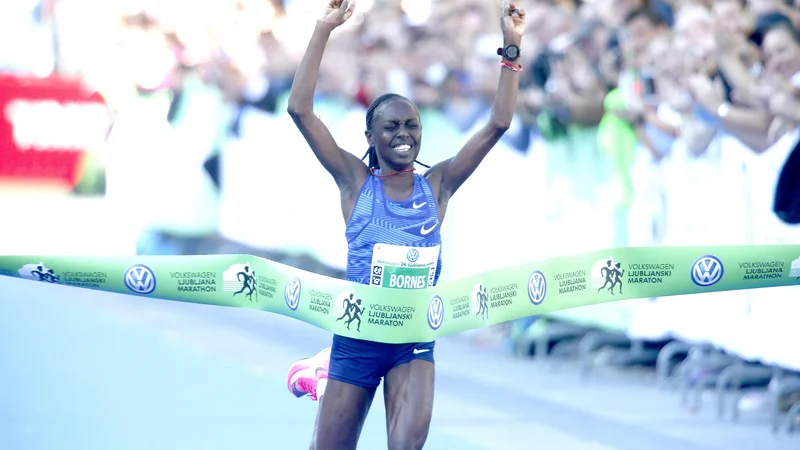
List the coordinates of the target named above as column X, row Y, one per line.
column 416, row 206
column 418, row 351
column 423, row 231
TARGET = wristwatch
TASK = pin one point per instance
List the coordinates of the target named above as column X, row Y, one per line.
column 511, row 52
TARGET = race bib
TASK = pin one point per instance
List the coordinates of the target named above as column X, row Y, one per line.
column 398, row 267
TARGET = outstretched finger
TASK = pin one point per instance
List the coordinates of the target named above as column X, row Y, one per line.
column 349, row 8
column 507, row 6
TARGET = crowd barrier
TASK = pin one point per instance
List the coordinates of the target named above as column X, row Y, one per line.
column 558, row 198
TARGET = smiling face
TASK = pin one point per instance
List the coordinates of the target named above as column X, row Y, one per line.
column 396, row 134
column 781, row 53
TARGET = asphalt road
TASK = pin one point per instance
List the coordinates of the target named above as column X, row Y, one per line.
column 84, row 370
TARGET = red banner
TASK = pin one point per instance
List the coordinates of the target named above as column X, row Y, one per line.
column 46, row 127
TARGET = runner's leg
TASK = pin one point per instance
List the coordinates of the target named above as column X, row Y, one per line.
column 341, row 415
column 355, row 372
column 408, row 393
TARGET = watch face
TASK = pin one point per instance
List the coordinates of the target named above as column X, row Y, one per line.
column 512, row 52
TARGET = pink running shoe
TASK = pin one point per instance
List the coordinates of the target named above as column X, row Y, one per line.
column 310, row 376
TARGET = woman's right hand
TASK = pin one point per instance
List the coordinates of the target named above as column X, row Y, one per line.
column 779, row 127
column 338, row 11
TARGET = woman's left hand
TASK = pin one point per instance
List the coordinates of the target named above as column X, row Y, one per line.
column 780, row 126
column 784, row 104
column 708, row 93
column 513, row 21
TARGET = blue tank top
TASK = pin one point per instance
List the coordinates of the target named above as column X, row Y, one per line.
column 389, row 242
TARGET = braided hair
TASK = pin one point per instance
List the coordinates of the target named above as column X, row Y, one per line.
column 371, row 152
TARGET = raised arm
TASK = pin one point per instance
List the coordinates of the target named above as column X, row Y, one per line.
column 344, row 167
column 452, row 173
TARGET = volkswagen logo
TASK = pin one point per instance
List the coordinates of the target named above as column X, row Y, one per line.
column 292, row 294
column 707, row 271
column 140, row 279
column 537, row 287
column 435, row 312
column 412, row 255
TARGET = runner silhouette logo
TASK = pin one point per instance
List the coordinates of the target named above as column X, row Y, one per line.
column 240, row 279
column 38, row 272
column 607, row 274
column 480, row 301
column 707, row 270
column 140, row 279
column 348, row 309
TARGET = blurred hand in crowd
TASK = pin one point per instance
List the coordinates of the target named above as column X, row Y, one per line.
column 780, row 98
column 731, row 42
column 695, row 24
column 582, row 75
column 733, row 17
column 709, row 94
column 786, row 109
column 783, row 102
column 633, row 112
column 669, row 71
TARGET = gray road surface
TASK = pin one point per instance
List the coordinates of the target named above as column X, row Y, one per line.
column 84, row 370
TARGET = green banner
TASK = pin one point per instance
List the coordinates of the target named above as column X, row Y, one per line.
column 401, row 315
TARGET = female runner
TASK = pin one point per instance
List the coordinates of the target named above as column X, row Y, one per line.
column 388, row 210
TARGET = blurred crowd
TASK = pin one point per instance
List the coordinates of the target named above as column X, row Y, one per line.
column 641, row 75
column 647, row 72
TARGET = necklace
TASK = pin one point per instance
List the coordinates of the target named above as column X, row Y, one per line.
column 372, row 171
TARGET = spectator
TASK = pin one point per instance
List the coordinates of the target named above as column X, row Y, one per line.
column 782, row 61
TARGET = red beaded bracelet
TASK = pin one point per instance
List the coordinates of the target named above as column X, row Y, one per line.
column 510, row 66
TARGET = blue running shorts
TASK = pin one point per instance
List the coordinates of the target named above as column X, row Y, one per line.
column 365, row 363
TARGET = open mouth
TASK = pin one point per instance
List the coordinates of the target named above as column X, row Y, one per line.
column 402, row 149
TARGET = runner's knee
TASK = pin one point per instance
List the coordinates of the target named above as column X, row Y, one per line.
column 411, row 431
column 408, row 439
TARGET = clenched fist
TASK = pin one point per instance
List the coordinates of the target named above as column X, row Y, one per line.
column 338, row 11
column 513, row 20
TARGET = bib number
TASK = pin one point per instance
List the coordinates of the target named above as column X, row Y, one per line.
column 399, row 267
